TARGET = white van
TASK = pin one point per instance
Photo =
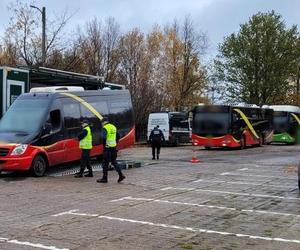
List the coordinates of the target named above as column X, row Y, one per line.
column 174, row 125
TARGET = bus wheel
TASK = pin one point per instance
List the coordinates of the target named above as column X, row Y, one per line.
column 207, row 147
column 38, row 166
column 243, row 142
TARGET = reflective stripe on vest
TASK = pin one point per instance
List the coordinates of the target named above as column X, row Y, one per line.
column 86, row 142
column 111, row 135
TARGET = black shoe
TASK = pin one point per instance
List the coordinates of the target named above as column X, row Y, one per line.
column 78, row 175
column 153, row 158
column 103, row 180
column 157, row 157
column 121, row 178
column 89, row 175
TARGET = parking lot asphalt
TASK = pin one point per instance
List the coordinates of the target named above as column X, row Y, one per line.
column 232, row 199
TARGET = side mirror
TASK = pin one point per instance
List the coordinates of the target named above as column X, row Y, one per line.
column 47, row 128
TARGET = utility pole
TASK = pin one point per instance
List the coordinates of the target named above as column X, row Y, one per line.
column 43, row 12
column 44, row 36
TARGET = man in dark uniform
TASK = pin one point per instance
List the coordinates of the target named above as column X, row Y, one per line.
column 110, row 140
column 85, row 144
column 156, row 138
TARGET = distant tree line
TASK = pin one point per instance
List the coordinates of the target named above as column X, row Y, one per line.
column 164, row 69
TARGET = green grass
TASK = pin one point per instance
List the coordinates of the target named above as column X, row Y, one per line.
column 268, row 232
column 186, row 246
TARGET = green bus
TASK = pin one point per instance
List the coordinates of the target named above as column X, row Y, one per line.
column 286, row 121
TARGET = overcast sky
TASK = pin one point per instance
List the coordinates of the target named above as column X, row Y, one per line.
column 217, row 18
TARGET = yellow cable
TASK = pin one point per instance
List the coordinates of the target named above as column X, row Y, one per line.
column 296, row 118
column 244, row 117
column 84, row 103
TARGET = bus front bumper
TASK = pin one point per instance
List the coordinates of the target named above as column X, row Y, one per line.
column 283, row 137
column 15, row 163
column 222, row 141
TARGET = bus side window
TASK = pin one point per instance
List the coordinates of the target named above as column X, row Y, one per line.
column 235, row 118
column 55, row 120
column 72, row 119
column 120, row 115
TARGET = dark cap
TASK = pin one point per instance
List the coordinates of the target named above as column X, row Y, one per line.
column 105, row 120
column 85, row 123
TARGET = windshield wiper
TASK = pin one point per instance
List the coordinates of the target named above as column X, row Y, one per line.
column 19, row 132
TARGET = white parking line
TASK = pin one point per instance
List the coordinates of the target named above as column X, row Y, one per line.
column 173, row 202
column 262, row 176
column 206, row 206
column 74, row 211
column 26, row 243
column 190, row 229
column 232, row 193
column 243, row 183
column 263, row 170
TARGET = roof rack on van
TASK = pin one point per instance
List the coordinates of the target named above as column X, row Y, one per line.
column 43, row 77
column 57, row 89
column 248, row 105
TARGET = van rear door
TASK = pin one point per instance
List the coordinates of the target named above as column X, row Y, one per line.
column 160, row 119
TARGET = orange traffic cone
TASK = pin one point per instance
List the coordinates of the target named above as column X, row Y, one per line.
column 194, row 158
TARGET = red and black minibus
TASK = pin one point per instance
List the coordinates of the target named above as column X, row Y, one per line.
column 231, row 126
column 40, row 129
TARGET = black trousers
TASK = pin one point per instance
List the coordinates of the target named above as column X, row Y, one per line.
column 85, row 161
column 155, row 145
column 110, row 155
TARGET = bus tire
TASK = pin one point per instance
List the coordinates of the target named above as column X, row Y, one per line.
column 207, row 147
column 243, row 142
column 38, row 166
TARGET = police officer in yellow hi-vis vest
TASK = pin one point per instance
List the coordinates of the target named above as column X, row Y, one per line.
column 85, row 144
column 110, row 140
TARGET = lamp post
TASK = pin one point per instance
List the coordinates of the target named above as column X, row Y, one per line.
column 43, row 12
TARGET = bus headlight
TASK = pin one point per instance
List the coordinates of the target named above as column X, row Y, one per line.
column 19, row 150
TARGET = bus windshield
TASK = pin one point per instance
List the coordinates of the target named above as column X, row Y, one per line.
column 212, row 124
column 179, row 122
column 24, row 116
column 281, row 122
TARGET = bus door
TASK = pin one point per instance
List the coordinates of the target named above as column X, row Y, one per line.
column 72, row 116
column 53, row 139
column 237, row 125
column 294, row 126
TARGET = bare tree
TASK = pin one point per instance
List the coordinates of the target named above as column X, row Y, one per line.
column 8, row 54
column 183, row 49
column 69, row 60
column 24, row 33
column 111, row 39
column 136, row 70
column 91, row 47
